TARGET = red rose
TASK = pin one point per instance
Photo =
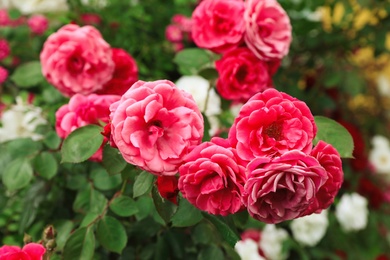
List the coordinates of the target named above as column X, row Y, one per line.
column 167, row 186
column 125, row 74
column 241, row 75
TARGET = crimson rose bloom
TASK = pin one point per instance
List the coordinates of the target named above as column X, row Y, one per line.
column 272, row 123
column 328, row 158
column 217, row 25
column 212, row 179
column 154, row 125
column 241, row 75
column 167, row 186
column 282, row 188
column 267, row 29
column 77, row 60
column 84, row 110
column 31, row 251
column 125, row 74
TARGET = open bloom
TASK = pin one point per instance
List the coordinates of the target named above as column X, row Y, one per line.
column 125, row 73
column 272, row 123
column 84, row 110
column 31, row 251
column 154, row 125
column 352, row 212
column 77, row 60
column 282, row 188
column 38, row 24
column 267, row 29
column 271, row 242
column 217, row 25
column 241, row 75
column 212, row 179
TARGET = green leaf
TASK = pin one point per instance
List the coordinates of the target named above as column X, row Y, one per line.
column 80, row 245
column 113, row 161
column 210, row 252
column 89, row 218
column 111, row 234
column 143, row 183
column 81, row 144
column 23, row 147
column 335, row 134
column 186, row 215
column 165, row 208
column 64, row 228
column 45, row 165
column 192, row 60
column 124, row 206
column 17, row 174
column 52, row 140
column 224, row 230
column 103, row 181
column 28, row 74
column 89, row 200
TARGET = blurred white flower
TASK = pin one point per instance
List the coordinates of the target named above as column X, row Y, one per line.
column 309, row 230
column 248, row 249
column 383, row 85
column 40, row 6
column 271, row 242
column 95, row 3
column 21, row 120
column 5, row 4
column 352, row 212
column 200, row 90
column 379, row 156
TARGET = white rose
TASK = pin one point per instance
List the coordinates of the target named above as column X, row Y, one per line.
column 6, row 4
column 20, row 121
column 309, row 230
column 271, row 242
column 352, row 212
column 379, row 156
column 248, row 250
column 40, row 6
column 380, row 141
column 96, row 3
column 383, row 85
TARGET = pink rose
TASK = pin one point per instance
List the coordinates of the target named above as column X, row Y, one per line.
column 84, row 110
column 272, row 123
column 218, row 25
column 154, row 124
column 125, row 74
column 173, row 33
column 282, row 188
column 328, row 158
column 38, row 24
column 241, row 75
column 212, row 179
column 267, row 29
column 31, row 251
column 3, row 75
column 77, row 60
column 4, row 49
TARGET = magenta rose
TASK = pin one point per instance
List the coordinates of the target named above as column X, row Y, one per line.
column 77, row 60
column 125, row 74
column 241, row 75
column 282, row 188
column 272, row 123
column 154, row 125
column 218, row 25
column 268, row 31
column 212, row 179
column 84, row 110
column 31, row 251
column 328, row 158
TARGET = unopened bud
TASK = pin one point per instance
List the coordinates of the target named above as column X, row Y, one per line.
column 49, row 233
column 27, row 239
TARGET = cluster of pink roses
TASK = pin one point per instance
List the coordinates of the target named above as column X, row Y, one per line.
column 31, row 251
column 83, row 66
column 267, row 165
column 179, row 31
column 252, row 36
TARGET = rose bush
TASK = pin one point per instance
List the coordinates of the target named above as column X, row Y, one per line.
column 272, row 123
column 77, row 60
column 154, row 125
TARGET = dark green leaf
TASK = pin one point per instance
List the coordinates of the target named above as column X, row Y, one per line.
column 224, row 230
column 165, row 208
column 143, row 183
column 52, row 140
column 210, row 252
column 28, row 74
column 89, row 200
column 186, row 215
column 113, row 161
column 80, row 245
column 23, row 147
column 17, row 174
column 192, row 60
column 81, row 144
column 111, row 234
column 89, row 218
column 45, row 165
column 335, row 134
column 124, row 206
column 103, row 181
column 63, row 228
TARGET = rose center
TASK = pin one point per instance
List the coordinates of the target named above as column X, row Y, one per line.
column 241, row 73
column 274, row 130
column 221, row 24
column 75, row 64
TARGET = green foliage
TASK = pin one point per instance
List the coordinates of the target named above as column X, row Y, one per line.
column 28, row 75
